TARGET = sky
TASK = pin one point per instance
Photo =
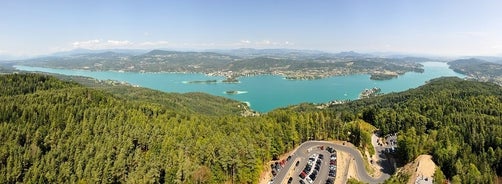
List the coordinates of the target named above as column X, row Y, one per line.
column 437, row 27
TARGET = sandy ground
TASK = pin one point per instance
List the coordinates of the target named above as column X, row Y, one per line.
column 345, row 167
column 423, row 167
column 266, row 175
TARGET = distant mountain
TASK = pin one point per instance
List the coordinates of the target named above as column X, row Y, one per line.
column 352, row 54
column 276, row 53
column 80, row 51
column 493, row 59
column 153, row 61
column 183, row 53
column 108, row 54
column 159, row 52
column 185, row 61
column 294, row 64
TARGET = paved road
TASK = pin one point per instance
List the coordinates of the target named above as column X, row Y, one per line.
column 302, row 152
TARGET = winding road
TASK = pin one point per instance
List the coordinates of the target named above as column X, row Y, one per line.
column 302, row 153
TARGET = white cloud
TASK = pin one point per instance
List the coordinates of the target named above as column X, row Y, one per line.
column 493, row 47
column 112, row 44
column 118, row 43
column 259, row 44
column 98, row 44
column 265, row 42
column 86, row 44
column 155, row 43
column 273, row 43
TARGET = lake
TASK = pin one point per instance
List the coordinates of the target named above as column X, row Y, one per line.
column 266, row 92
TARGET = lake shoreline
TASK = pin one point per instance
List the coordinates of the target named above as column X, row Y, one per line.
column 267, row 92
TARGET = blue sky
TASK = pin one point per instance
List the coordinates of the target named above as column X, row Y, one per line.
column 439, row 27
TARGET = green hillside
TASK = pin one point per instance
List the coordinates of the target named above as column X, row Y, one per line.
column 52, row 131
column 458, row 122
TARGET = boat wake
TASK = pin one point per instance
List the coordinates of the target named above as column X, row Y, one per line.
column 235, row 92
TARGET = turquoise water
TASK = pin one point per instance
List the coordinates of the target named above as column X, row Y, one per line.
column 267, row 92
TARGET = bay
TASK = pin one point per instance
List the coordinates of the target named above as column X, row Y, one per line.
column 267, row 92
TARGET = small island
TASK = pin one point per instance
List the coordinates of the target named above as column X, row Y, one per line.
column 367, row 93
column 385, row 75
column 382, row 76
column 231, row 79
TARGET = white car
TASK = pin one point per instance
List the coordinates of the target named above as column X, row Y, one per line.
column 314, row 156
column 310, row 162
column 309, row 180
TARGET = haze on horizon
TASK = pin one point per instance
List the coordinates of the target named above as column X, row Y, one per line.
column 445, row 28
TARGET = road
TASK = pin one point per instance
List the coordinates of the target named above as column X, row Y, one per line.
column 302, row 154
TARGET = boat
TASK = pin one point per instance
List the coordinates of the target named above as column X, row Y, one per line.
column 232, row 92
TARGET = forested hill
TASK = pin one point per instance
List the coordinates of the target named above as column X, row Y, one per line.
column 478, row 69
column 458, row 122
column 52, row 131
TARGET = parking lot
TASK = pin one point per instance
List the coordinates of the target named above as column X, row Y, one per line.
column 319, row 165
column 306, row 165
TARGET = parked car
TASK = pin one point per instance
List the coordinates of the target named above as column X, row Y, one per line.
column 332, row 173
column 314, row 174
column 308, row 168
column 303, row 175
column 330, row 149
column 330, row 181
column 309, row 180
column 313, row 156
column 333, row 156
column 310, row 162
